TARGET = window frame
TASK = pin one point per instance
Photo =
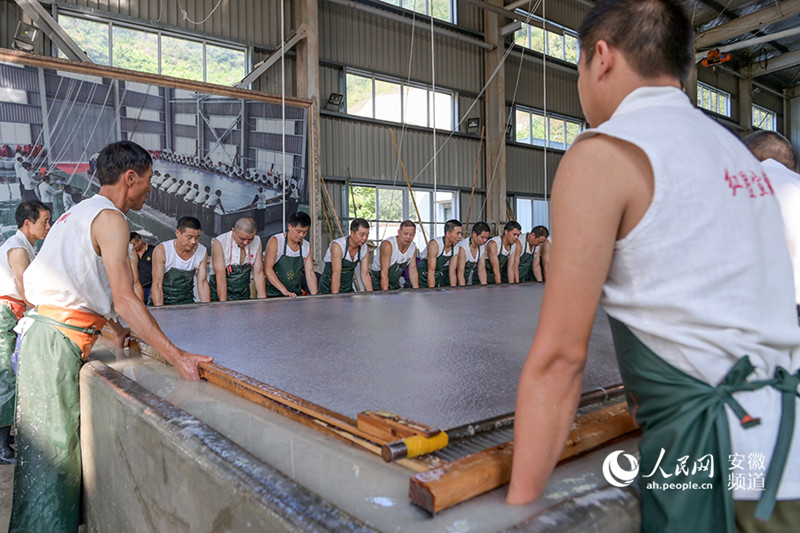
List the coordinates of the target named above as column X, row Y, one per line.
column 548, row 34
column 160, row 33
column 772, row 115
column 431, row 95
column 399, row 5
column 548, row 143
column 713, row 99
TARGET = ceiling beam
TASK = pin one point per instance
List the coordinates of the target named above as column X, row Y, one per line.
column 53, row 30
column 747, row 23
column 766, row 38
column 774, row 64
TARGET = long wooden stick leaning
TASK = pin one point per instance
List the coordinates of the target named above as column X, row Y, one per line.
column 405, row 175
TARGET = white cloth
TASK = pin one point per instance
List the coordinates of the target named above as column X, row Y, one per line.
column 201, row 198
column 705, row 277
column 67, row 272
column 191, row 195
column 67, row 199
column 465, row 244
column 786, row 185
column 501, row 250
column 232, row 253
column 8, row 285
column 305, row 248
column 526, row 246
column 440, row 243
column 397, row 256
column 26, row 178
column 341, row 242
column 261, row 200
column 183, row 189
column 173, row 188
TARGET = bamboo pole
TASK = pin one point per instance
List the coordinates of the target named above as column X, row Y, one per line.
column 475, row 179
column 330, row 202
column 405, row 175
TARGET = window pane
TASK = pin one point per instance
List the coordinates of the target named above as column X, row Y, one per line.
column 525, row 213
column 224, row 66
column 441, row 10
column 521, row 36
column 723, row 104
column 538, row 129
column 573, row 130
column 537, row 39
column 523, row 120
column 91, row 36
column 700, row 96
column 359, row 96
column 444, row 111
column 556, row 132
column 423, row 199
column 445, row 206
column 555, row 45
column 570, row 48
column 416, row 106
column 541, row 210
column 390, row 204
column 387, row 101
column 135, row 50
column 361, row 203
column 181, row 58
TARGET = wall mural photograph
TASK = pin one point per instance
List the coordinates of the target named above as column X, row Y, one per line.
column 215, row 157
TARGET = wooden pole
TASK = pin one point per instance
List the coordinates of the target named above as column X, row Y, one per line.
column 475, row 179
column 330, row 202
column 405, row 175
column 466, row 478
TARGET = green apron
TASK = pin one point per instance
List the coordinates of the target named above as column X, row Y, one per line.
column 238, row 277
column 178, row 286
column 8, row 381
column 289, row 271
column 471, row 270
column 682, row 416
column 502, row 260
column 441, row 275
column 47, row 473
column 395, row 271
column 348, row 272
column 526, row 264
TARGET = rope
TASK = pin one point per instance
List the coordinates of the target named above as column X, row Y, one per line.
column 419, row 217
column 283, row 114
column 190, row 21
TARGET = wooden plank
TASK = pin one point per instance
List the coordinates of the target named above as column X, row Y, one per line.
column 388, row 427
column 471, row 476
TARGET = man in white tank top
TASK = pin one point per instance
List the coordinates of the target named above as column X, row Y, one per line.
column 235, row 259
column 80, row 279
column 656, row 176
column 393, row 256
column 502, row 255
column 470, row 263
column 288, row 257
column 438, row 265
column 780, row 162
column 180, row 275
column 16, row 253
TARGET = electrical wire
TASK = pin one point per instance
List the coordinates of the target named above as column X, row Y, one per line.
column 190, row 21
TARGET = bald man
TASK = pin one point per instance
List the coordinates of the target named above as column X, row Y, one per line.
column 235, row 259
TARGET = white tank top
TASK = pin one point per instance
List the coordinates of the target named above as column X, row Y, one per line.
column 232, row 253
column 440, row 242
column 281, row 238
column 397, row 256
column 501, row 250
column 526, row 246
column 8, row 285
column 67, row 272
column 173, row 260
column 786, row 185
column 464, row 243
column 705, row 278
column 342, row 242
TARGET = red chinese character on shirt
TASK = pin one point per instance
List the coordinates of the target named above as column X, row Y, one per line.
column 63, row 218
column 747, row 184
column 733, row 182
column 759, row 182
column 769, row 185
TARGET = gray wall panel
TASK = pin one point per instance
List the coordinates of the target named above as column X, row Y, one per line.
column 525, row 170
column 561, row 86
column 367, row 149
column 380, row 45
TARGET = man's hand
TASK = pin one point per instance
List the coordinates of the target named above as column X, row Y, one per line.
column 186, row 364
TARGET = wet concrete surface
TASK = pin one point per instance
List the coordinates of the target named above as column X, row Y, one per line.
column 443, row 357
column 6, row 489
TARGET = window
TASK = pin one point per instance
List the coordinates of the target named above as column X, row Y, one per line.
column 386, row 207
column 156, row 52
column 764, row 119
column 713, row 100
column 438, row 9
column 562, row 45
column 185, row 119
column 534, row 128
column 13, row 96
column 185, row 145
column 148, row 141
column 139, row 113
column 396, row 101
column 532, row 212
